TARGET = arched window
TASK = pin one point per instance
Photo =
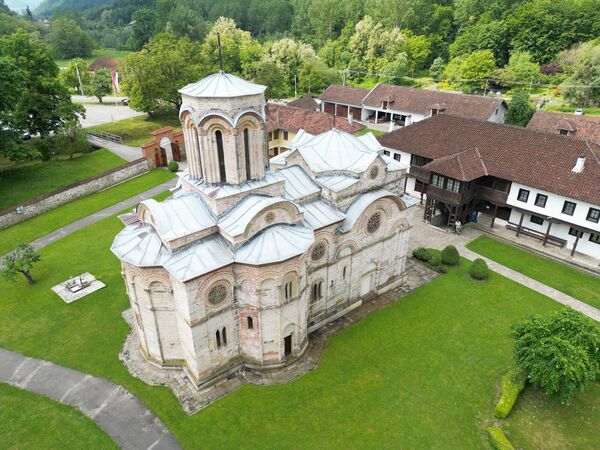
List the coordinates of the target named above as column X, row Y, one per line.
column 288, row 290
column 224, row 336
column 320, row 289
column 221, row 155
column 317, row 291
column 250, row 323
column 344, row 272
column 247, row 152
column 218, row 335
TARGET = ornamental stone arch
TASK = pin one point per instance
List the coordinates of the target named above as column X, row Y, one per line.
column 166, row 145
column 222, row 276
column 252, row 145
column 344, row 247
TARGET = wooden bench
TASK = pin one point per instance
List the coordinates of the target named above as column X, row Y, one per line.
column 553, row 240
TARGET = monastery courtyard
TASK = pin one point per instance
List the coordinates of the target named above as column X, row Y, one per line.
column 423, row 370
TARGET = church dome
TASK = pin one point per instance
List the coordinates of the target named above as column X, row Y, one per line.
column 222, row 85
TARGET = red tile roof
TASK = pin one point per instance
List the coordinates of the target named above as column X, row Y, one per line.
column 307, row 101
column 582, row 127
column 462, row 166
column 421, row 101
column 344, row 94
column 533, row 158
column 293, row 119
column 104, row 62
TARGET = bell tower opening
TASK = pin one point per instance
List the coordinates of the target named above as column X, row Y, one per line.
column 247, row 153
column 221, row 156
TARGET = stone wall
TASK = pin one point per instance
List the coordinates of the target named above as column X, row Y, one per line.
column 51, row 200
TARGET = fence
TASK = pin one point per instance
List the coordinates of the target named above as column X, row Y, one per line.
column 107, row 136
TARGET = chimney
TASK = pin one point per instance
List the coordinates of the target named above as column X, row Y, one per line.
column 579, row 164
column 350, row 118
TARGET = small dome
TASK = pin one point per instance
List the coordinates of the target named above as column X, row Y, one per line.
column 221, row 85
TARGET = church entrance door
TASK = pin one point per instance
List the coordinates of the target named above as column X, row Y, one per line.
column 366, row 283
column 287, row 341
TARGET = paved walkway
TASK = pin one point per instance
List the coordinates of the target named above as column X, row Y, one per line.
column 126, row 152
column 120, row 414
column 424, row 235
column 102, row 214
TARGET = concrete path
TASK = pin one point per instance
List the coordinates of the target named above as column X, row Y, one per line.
column 126, row 152
column 424, row 235
column 120, row 414
column 102, row 214
column 98, row 114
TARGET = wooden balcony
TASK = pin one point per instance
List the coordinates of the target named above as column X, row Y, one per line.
column 496, row 197
column 443, row 195
column 420, row 174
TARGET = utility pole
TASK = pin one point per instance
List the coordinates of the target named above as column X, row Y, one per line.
column 295, row 85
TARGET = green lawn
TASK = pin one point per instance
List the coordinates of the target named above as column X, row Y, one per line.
column 23, row 182
column 136, row 131
column 369, row 130
column 571, row 109
column 52, row 220
column 422, row 373
column 31, row 421
column 110, row 52
column 566, row 279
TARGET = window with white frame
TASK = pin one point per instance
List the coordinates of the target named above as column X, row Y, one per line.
column 540, row 200
column 595, row 238
column 437, row 180
column 453, row 185
column 569, row 208
column 593, row 215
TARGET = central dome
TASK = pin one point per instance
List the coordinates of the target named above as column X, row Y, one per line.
column 222, row 85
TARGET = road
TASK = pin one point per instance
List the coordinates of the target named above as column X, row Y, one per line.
column 98, row 113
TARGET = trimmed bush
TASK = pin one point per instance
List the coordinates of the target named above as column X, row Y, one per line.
column 423, row 254
column 498, row 439
column 479, row 270
column 173, row 166
column 450, row 256
column 513, row 382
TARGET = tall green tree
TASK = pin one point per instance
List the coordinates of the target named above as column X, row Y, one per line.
column 475, row 68
column 268, row 74
column 144, row 27
column 100, row 84
column 582, row 87
column 44, row 104
column 521, row 69
column 68, row 40
column 153, row 76
column 20, row 261
column 75, row 75
column 520, row 111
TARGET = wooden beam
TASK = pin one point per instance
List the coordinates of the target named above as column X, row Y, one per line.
column 576, row 242
column 520, row 224
column 547, row 233
column 495, row 214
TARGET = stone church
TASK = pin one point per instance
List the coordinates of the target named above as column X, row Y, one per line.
column 249, row 256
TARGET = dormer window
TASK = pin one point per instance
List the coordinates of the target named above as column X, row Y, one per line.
column 564, row 132
column 384, row 104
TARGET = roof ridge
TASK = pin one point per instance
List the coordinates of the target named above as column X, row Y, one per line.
column 482, row 161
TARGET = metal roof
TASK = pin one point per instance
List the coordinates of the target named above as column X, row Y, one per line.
column 180, row 216
column 298, row 183
column 361, row 203
column 222, row 85
column 337, row 183
column 319, row 214
column 275, row 244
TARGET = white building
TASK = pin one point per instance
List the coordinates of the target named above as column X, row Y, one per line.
column 245, row 260
column 536, row 183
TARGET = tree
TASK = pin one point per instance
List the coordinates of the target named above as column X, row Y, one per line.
column 289, row 55
column 520, row 111
column 560, row 352
column 417, row 50
column 75, row 75
column 475, row 68
column 20, row 261
column 520, row 69
column 268, row 74
column 437, row 68
column 144, row 27
column 583, row 86
column 315, row 76
column 70, row 139
column 153, row 76
column 100, row 84
column 44, row 103
column 485, row 34
column 68, row 40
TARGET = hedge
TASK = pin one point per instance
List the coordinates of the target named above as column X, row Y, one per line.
column 173, row 166
column 513, row 383
column 450, row 256
column 498, row 439
column 479, row 270
column 423, row 254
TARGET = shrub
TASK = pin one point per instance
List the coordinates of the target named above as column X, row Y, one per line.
column 173, row 166
column 479, row 270
column 435, row 263
column 560, row 352
column 450, row 256
column 423, row 254
column 498, row 439
column 513, row 382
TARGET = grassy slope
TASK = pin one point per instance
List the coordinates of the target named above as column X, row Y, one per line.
column 32, row 421
column 420, row 374
column 21, row 183
column 136, row 131
column 75, row 210
column 109, row 52
column 559, row 276
column 369, row 130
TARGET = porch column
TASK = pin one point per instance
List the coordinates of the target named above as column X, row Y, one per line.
column 494, row 217
column 576, row 242
column 547, row 233
column 376, row 116
column 520, row 224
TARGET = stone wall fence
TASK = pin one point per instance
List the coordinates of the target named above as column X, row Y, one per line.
column 51, row 200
